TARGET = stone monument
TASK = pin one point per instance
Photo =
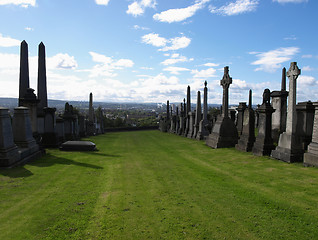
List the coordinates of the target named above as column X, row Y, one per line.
column 91, row 127
column 24, row 81
column 289, row 147
column 198, row 114
column 224, row 132
column 187, row 127
column 311, row 156
column 42, row 90
column 240, row 116
column 204, row 123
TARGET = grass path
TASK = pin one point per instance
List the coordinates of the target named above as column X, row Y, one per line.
column 152, row 185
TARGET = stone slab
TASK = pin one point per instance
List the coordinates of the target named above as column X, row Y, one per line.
column 78, row 146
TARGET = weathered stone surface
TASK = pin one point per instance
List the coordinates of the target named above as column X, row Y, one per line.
column 264, row 143
column 198, row 114
column 50, row 136
column 42, row 90
column 30, row 101
column 204, row 123
column 289, row 147
column 188, row 106
column 91, row 126
column 78, row 146
column 191, row 119
column 9, row 153
column 24, row 81
column 224, row 132
column 305, row 122
column 60, row 129
column 240, row 116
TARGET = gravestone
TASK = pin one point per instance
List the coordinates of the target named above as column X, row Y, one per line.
column 177, row 120
column 42, row 89
column 311, row 156
column 263, row 145
column 224, row 132
column 78, row 146
column 60, row 130
column 91, row 127
column 247, row 138
column 204, row 123
column 305, row 122
column 279, row 103
column 240, row 116
column 232, row 114
column 82, row 126
column 24, row 81
column 191, row 117
column 187, row 112
column 198, row 114
column 9, row 153
column 172, row 122
column 50, row 136
column 30, row 101
column 289, row 147
column 69, row 127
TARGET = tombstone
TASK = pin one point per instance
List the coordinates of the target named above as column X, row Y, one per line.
column 232, row 114
column 263, row 145
column 257, row 116
column 279, row 103
column 311, row 156
column 172, row 122
column 60, row 130
column 22, row 134
column 50, row 136
column 204, row 123
column 42, row 90
column 191, row 119
column 224, row 132
column 82, row 126
column 68, row 123
column 247, row 138
column 305, row 122
column 24, row 81
column 198, row 114
column 9, row 153
column 181, row 120
column 177, row 120
column 91, row 128
column 289, row 147
column 240, row 116
column 187, row 112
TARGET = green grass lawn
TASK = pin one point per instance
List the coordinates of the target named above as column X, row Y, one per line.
column 153, row 185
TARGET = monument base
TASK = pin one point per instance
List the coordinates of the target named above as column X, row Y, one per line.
column 9, row 156
column 224, row 134
column 245, row 144
column 50, row 140
column 310, row 160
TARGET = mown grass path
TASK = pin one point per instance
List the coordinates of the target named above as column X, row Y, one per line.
column 153, row 185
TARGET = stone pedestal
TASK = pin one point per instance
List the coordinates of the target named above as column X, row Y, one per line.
column 60, row 129
column 173, row 124
column 305, row 122
column 29, row 100
column 240, row 116
column 311, row 156
column 279, row 103
column 263, row 145
column 232, row 114
column 9, row 153
column 50, row 136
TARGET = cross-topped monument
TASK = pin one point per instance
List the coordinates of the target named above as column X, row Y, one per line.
column 225, row 83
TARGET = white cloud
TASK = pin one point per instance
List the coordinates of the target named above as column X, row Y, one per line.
column 8, row 41
column 146, row 68
column 306, row 68
column 29, row 29
column 175, row 58
column 179, row 14
column 290, row 1
column 306, row 80
column 206, row 73
column 154, row 40
column 211, row 64
column 177, row 43
column 22, row 3
column 102, row 2
column 167, row 44
column 271, row 61
column 123, row 63
column 100, row 58
column 62, row 61
column 137, row 27
column 292, row 37
column 175, row 70
column 235, row 8
column 307, row 56
column 138, row 8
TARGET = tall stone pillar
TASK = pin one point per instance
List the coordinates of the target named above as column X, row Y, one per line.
column 289, row 147
column 204, row 123
column 42, row 90
column 279, row 103
column 198, row 114
column 24, row 81
column 247, row 138
column 224, row 132
column 187, row 112
column 30, row 101
column 91, row 128
column 311, row 156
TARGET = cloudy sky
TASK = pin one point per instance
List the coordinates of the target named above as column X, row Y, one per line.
column 151, row 50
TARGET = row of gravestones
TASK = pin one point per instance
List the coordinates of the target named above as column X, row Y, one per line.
column 34, row 125
column 295, row 129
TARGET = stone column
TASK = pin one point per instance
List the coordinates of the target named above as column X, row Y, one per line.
column 42, row 90
column 30, row 101
column 289, row 147
column 187, row 112
column 177, row 120
column 204, row 123
column 240, row 116
column 311, row 156
column 24, row 82
column 9, row 154
column 198, row 114
column 91, row 128
column 224, row 132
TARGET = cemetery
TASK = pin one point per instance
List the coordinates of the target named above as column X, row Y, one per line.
column 197, row 176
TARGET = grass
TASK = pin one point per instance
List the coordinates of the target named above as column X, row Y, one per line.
column 153, row 185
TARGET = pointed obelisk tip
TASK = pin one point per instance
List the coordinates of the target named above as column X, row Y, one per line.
column 41, row 44
column 205, row 83
column 23, row 42
column 283, row 87
column 250, row 99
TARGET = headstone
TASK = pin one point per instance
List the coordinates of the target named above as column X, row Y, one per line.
column 204, row 123
column 224, row 132
column 50, row 137
column 198, row 114
column 9, row 154
column 181, row 120
column 177, row 120
column 30, row 101
column 279, row 103
column 311, row 156
column 68, row 123
column 60, row 130
column 187, row 112
column 91, row 127
column 264, row 142
column 191, row 117
column 42, row 90
column 305, row 122
column 289, row 147
column 24, row 82
column 232, row 114
column 247, row 138
column 240, row 116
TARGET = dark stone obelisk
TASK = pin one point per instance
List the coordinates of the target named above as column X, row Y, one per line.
column 289, row 147
column 188, row 106
column 91, row 127
column 204, row 123
column 42, row 90
column 24, row 81
column 198, row 114
column 224, row 132
column 247, row 138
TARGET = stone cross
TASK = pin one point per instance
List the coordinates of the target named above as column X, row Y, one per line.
column 42, row 90
column 225, row 83
column 292, row 75
column 24, row 81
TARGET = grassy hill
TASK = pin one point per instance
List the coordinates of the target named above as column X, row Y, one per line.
column 153, row 185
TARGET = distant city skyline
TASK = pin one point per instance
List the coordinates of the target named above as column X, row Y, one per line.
column 151, row 50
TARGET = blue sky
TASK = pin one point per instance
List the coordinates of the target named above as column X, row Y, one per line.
column 151, row 50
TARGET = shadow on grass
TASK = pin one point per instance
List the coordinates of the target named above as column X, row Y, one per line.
column 97, row 153
column 17, row 172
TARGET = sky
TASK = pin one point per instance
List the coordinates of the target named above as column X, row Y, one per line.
column 151, row 50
